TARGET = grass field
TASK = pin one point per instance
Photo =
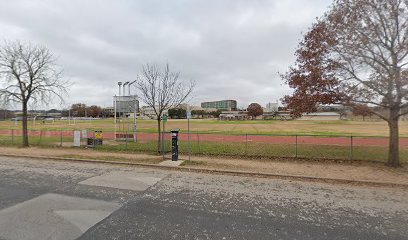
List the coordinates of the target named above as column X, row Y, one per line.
column 229, row 149
column 346, row 128
column 240, row 148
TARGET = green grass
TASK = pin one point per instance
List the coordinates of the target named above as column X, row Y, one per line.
column 240, row 150
column 251, row 149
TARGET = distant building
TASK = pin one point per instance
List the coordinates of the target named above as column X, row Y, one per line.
column 108, row 112
column 278, row 115
column 147, row 112
column 320, row 116
column 272, row 107
column 225, row 105
column 195, row 108
column 234, row 115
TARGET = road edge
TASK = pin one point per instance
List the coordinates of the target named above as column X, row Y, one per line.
column 223, row 172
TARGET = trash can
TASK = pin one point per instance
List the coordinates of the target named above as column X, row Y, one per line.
column 96, row 140
column 90, row 142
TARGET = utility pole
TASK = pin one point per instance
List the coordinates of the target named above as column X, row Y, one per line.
column 134, row 112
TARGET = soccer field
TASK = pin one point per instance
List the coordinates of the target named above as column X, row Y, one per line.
column 274, row 127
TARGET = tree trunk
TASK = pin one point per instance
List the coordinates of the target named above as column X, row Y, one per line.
column 25, row 128
column 158, row 135
column 393, row 151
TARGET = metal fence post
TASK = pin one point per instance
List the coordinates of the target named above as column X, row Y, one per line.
column 162, row 144
column 12, row 136
column 198, row 142
column 40, row 137
column 93, row 140
column 351, row 147
column 60, row 138
column 296, row 146
column 246, row 144
column 126, row 140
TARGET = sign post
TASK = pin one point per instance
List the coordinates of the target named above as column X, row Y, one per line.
column 77, row 138
column 188, row 127
column 162, row 138
column 134, row 121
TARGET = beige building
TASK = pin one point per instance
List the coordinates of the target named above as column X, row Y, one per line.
column 320, row 116
column 147, row 112
column 234, row 115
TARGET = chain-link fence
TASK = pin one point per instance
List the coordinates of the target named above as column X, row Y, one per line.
column 263, row 146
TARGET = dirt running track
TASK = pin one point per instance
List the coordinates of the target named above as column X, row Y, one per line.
column 315, row 140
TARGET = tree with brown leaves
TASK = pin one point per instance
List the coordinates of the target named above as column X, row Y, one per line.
column 356, row 54
column 362, row 110
column 254, row 110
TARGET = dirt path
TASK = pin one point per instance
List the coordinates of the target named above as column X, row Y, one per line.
column 81, row 153
column 353, row 171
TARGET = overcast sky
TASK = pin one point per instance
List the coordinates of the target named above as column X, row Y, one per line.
column 233, row 49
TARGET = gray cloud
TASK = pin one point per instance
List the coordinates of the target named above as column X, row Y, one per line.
column 233, row 49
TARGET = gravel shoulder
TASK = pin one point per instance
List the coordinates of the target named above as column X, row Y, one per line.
column 359, row 171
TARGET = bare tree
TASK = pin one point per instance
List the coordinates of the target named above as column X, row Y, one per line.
column 29, row 74
column 162, row 90
column 357, row 53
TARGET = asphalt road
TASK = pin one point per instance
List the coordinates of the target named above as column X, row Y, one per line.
column 41, row 199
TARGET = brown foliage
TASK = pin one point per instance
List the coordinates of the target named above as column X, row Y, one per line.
column 94, row 111
column 254, row 110
column 362, row 110
column 313, row 76
column 78, row 110
column 355, row 54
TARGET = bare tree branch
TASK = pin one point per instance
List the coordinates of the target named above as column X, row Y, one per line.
column 162, row 90
column 28, row 73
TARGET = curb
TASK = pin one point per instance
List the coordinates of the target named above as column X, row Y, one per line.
column 225, row 172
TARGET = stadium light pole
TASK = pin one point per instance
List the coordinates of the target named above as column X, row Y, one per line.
column 131, row 83
column 116, row 108
column 124, row 87
column 119, row 84
column 114, row 102
column 124, row 101
column 134, row 114
column 120, row 89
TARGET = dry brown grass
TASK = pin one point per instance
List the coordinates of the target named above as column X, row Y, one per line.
column 369, row 128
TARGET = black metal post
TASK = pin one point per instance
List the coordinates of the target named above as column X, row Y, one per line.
column 296, row 137
column 198, row 142
column 246, row 144
column 351, row 147
column 126, row 140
